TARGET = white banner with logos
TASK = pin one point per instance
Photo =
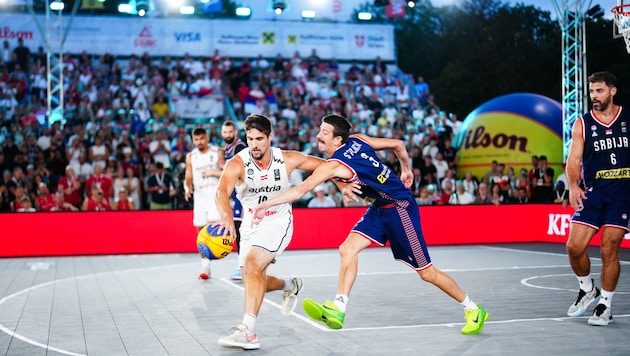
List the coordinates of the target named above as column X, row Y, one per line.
column 193, row 107
column 123, row 36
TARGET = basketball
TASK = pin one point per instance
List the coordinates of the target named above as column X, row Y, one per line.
column 212, row 244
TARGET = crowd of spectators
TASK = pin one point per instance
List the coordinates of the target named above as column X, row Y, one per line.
column 121, row 146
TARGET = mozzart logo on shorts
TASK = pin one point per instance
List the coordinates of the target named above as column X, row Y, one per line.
column 7, row 33
column 558, row 224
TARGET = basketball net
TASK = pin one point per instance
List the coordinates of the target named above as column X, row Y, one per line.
column 621, row 16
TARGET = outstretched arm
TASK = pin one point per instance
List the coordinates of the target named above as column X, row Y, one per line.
column 322, row 173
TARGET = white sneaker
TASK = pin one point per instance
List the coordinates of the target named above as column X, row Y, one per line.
column 602, row 316
column 241, row 338
column 289, row 298
column 584, row 301
column 205, row 269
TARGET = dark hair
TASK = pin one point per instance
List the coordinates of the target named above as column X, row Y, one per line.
column 606, row 77
column 159, row 165
column 229, row 123
column 199, row 131
column 258, row 122
column 341, row 126
column 542, row 158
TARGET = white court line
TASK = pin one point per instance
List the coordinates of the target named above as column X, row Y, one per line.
column 276, row 305
column 12, row 333
column 525, row 282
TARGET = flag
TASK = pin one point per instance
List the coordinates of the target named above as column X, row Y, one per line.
column 212, row 6
column 273, row 104
column 251, row 105
column 396, row 8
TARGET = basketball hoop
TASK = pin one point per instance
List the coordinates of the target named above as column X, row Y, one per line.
column 621, row 16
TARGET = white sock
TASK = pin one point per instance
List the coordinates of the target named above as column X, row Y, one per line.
column 340, row 302
column 469, row 304
column 586, row 283
column 288, row 284
column 249, row 320
column 205, row 263
column 606, row 298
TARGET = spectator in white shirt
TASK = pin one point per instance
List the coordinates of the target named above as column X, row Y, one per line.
column 320, row 199
column 461, row 196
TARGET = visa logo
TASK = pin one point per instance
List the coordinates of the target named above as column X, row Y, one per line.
column 187, row 36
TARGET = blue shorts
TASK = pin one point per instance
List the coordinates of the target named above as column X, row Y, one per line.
column 599, row 211
column 401, row 227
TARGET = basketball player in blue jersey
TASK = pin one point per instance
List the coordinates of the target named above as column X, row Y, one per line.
column 393, row 216
column 599, row 155
column 233, row 145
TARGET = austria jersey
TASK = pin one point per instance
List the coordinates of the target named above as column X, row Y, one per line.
column 379, row 184
column 606, row 157
column 263, row 183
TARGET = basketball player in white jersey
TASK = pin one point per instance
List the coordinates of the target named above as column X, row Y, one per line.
column 201, row 181
column 258, row 173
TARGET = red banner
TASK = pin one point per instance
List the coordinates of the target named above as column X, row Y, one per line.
column 396, row 8
column 93, row 233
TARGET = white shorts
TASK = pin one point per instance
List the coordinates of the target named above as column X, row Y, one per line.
column 273, row 236
column 205, row 212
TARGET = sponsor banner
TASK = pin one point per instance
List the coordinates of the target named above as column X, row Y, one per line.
column 198, row 107
column 123, row 36
column 172, row 231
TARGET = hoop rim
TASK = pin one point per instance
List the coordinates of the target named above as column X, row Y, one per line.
column 621, row 10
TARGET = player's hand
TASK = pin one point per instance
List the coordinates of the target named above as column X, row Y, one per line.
column 227, row 226
column 407, row 178
column 576, row 197
column 187, row 193
column 259, row 214
column 350, row 192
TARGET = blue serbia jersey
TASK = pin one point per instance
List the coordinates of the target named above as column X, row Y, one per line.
column 606, row 159
column 379, row 185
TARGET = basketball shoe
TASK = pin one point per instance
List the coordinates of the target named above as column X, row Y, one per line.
column 474, row 320
column 602, row 316
column 236, row 276
column 584, row 301
column 241, row 338
column 289, row 297
column 327, row 313
column 205, row 269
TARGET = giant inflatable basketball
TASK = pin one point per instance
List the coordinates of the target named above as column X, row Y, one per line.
column 510, row 129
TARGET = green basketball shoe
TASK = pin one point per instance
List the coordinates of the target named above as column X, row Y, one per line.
column 474, row 320
column 327, row 313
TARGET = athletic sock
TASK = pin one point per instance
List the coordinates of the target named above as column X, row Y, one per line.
column 469, row 304
column 288, row 284
column 341, row 300
column 249, row 320
column 586, row 283
column 606, row 298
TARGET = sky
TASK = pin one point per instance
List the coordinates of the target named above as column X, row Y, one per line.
column 260, row 8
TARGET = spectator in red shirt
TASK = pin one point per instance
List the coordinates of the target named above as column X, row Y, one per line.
column 101, row 180
column 45, row 200
column 61, row 204
column 70, row 186
column 96, row 201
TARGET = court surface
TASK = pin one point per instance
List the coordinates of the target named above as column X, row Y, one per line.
column 154, row 305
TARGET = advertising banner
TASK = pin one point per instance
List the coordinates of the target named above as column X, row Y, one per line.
column 200, row 37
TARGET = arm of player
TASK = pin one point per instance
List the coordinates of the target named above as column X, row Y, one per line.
column 188, row 180
column 396, row 146
column 231, row 175
column 322, row 173
column 573, row 168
